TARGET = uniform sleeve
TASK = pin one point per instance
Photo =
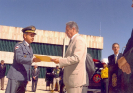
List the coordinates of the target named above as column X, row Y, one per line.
column 19, row 56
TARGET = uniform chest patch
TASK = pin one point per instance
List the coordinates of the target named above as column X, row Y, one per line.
column 17, row 47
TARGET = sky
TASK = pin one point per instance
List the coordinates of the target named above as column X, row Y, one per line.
column 115, row 16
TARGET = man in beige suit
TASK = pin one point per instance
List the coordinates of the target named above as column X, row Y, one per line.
column 74, row 61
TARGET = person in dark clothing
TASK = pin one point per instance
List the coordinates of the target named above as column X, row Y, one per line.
column 2, row 73
column 125, row 63
column 113, row 71
column 35, row 74
column 61, row 80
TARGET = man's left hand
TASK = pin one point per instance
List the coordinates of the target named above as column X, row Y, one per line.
column 126, row 68
column 56, row 61
column 121, row 62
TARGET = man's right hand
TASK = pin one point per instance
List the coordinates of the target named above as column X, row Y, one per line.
column 36, row 60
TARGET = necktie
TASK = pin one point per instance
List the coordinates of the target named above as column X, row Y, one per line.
column 115, row 59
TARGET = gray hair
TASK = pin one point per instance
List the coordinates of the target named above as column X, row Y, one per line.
column 72, row 24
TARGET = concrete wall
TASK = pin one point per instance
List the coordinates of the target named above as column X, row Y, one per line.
column 51, row 37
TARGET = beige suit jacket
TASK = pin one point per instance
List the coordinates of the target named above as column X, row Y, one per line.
column 74, row 63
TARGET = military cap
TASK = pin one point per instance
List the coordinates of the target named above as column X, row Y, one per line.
column 29, row 29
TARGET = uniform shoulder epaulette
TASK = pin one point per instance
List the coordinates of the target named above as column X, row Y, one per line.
column 18, row 45
column 19, row 42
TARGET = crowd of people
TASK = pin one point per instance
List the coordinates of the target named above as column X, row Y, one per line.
column 74, row 75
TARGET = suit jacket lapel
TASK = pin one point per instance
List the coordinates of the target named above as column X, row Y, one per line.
column 113, row 59
column 35, row 72
column 71, row 43
column 119, row 56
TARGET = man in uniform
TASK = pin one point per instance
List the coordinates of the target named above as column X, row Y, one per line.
column 19, row 72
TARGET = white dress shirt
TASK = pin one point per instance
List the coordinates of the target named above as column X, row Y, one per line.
column 74, row 36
